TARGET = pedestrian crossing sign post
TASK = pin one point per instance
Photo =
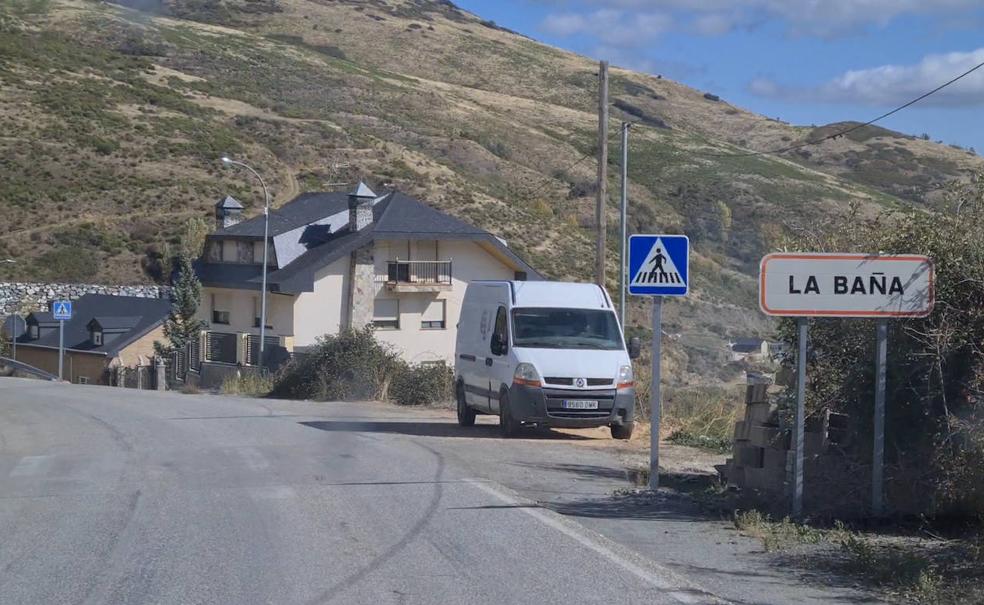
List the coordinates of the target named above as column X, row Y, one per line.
column 61, row 310
column 659, row 265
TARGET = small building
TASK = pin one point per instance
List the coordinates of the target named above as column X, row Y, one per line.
column 105, row 332
column 344, row 260
column 751, row 349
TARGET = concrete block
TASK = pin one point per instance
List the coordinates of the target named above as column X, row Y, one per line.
column 759, row 413
column 764, row 480
column 763, row 435
column 741, row 431
column 749, row 456
column 736, row 475
column 814, row 443
column 775, row 459
column 757, row 393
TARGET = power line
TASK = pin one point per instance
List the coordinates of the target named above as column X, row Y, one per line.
column 843, row 132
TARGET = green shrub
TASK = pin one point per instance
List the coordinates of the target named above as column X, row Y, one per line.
column 422, row 385
column 350, row 366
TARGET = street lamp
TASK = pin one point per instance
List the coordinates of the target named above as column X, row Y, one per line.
column 13, row 321
column 266, row 235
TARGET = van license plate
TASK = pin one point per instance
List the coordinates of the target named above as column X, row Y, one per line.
column 580, row 404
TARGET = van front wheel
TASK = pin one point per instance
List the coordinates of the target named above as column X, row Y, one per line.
column 623, row 431
column 466, row 415
column 508, row 425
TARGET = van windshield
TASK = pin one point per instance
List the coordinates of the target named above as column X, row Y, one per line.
column 550, row 328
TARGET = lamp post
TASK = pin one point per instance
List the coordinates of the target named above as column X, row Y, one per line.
column 266, row 235
column 13, row 322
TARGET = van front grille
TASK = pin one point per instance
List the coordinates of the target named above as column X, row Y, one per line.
column 565, row 381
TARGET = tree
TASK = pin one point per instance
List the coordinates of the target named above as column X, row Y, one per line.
column 935, row 385
column 181, row 327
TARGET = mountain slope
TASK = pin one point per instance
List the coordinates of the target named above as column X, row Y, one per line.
column 115, row 117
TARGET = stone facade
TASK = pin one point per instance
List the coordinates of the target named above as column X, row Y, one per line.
column 362, row 291
column 28, row 296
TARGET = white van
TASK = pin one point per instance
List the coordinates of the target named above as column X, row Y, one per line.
column 544, row 353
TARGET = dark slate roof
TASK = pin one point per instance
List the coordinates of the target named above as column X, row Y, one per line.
column 747, row 345
column 141, row 315
column 42, row 318
column 305, row 209
column 115, row 323
column 229, row 203
column 395, row 216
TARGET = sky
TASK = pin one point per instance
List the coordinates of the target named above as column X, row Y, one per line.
column 802, row 61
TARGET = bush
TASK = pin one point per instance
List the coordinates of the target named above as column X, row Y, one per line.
column 935, row 365
column 422, row 385
column 350, row 366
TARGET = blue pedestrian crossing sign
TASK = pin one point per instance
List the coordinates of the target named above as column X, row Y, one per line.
column 62, row 310
column 659, row 265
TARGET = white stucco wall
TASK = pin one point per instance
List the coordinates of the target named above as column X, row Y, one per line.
column 469, row 262
column 240, row 305
column 323, row 311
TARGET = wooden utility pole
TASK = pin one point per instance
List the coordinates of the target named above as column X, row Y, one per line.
column 602, row 187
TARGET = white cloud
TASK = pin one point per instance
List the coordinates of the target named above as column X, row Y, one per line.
column 823, row 18
column 890, row 85
column 612, row 27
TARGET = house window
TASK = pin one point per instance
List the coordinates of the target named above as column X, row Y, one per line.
column 34, row 332
column 218, row 316
column 386, row 314
column 434, row 317
column 257, row 309
column 97, row 338
column 214, row 253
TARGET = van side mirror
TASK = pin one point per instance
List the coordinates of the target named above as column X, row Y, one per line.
column 635, row 347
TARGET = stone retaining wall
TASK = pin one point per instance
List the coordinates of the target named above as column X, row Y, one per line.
column 27, row 296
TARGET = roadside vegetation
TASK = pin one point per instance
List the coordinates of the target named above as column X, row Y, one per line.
column 355, row 366
column 247, row 384
column 911, row 564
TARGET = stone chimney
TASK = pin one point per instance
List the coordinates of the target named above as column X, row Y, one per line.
column 360, row 207
column 228, row 212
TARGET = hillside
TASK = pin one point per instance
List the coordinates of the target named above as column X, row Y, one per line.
column 113, row 118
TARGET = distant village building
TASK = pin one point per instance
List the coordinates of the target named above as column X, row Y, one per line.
column 105, row 333
column 344, row 260
column 750, row 349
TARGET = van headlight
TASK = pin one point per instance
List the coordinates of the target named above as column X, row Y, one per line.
column 625, row 377
column 527, row 375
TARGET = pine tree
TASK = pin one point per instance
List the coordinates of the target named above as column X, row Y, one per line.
column 181, row 327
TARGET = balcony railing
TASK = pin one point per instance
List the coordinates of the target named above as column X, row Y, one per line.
column 419, row 272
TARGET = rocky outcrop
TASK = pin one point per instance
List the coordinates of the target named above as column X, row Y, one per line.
column 28, row 296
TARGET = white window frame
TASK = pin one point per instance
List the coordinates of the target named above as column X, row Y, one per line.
column 388, row 322
column 427, row 324
column 97, row 338
column 228, row 314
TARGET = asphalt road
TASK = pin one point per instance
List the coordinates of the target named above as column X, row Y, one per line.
column 116, row 496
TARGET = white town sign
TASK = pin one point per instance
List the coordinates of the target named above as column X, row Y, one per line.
column 846, row 285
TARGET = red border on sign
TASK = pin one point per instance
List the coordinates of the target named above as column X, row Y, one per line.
column 825, row 256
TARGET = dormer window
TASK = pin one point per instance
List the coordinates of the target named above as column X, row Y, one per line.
column 34, row 332
column 97, row 338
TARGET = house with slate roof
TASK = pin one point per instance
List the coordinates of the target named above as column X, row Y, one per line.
column 105, row 332
column 344, row 260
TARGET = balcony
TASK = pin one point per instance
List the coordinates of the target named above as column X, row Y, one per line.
column 418, row 275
